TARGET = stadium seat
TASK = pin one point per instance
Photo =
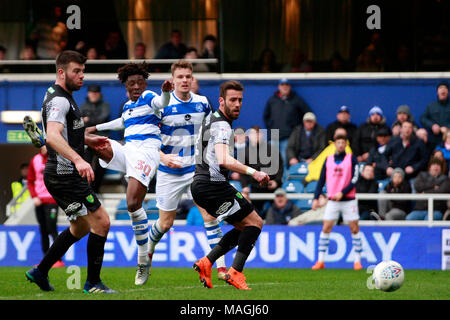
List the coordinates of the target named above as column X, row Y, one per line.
column 304, row 204
column 297, row 171
column 122, row 206
column 311, row 187
column 293, row 186
column 111, row 175
column 150, row 205
column 236, row 184
column 382, row 184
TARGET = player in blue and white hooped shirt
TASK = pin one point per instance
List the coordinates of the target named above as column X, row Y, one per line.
column 138, row 158
column 181, row 121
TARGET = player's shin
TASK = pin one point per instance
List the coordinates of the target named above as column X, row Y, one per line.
column 141, row 233
column 214, row 235
column 155, row 235
column 246, row 242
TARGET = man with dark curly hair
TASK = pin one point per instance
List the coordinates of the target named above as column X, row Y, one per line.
column 138, row 158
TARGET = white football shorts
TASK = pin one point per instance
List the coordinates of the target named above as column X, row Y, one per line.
column 170, row 188
column 139, row 163
column 349, row 210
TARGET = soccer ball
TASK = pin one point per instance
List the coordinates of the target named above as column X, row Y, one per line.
column 388, row 276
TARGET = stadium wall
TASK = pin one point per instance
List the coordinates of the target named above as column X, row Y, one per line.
column 415, row 247
column 324, row 93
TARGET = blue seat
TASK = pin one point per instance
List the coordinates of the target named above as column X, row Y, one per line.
column 297, row 171
column 293, row 186
column 304, row 204
column 151, row 205
column 311, row 187
column 382, row 184
column 236, row 184
column 122, row 205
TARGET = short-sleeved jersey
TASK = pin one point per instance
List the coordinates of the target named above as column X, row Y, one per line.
column 216, row 128
column 141, row 120
column 180, row 124
column 59, row 106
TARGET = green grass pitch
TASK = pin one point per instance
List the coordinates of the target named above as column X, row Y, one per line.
column 266, row 284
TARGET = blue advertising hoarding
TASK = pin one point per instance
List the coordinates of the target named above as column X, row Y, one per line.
column 415, row 247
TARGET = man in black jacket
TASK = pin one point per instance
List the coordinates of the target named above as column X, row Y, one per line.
column 306, row 141
column 284, row 111
column 343, row 121
column 365, row 136
column 406, row 152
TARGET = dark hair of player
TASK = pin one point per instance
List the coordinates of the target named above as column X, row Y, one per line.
column 230, row 85
column 67, row 56
column 181, row 64
column 131, row 69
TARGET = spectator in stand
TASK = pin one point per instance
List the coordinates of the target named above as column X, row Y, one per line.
column 115, row 47
column 365, row 136
column 431, row 181
column 422, row 134
column 343, row 121
column 403, row 114
column 45, row 206
column 3, row 68
column 28, row 53
column 377, row 157
column 436, row 118
column 2, row 53
column 444, row 147
column 267, row 62
column 140, row 51
column 282, row 209
column 299, row 63
column 210, row 50
column 19, row 187
column 259, row 155
column 306, row 141
column 283, row 112
column 437, row 154
column 406, row 152
column 191, row 53
column 367, row 184
column 174, row 49
column 395, row 209
column 95, row 111
column 92, row 53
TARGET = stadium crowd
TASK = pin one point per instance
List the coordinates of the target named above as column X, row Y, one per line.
column 403, row 157
column 46, row 42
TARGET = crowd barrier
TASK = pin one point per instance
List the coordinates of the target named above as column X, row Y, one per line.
column 415, row 247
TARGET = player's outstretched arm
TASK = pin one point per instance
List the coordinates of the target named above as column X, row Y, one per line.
column 226, row 160
column 162, row 101
column 113, row 125
column 56, row 140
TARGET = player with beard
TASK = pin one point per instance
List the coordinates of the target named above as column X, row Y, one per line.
column 67, row 176
column 212, row 191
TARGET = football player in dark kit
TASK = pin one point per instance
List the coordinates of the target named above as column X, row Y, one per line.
column 212, row 191
column 67, row 176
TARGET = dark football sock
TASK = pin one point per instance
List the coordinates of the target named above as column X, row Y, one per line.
column 95, row 251
column 246, row 243
column 59, row 247
column 228, row 242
